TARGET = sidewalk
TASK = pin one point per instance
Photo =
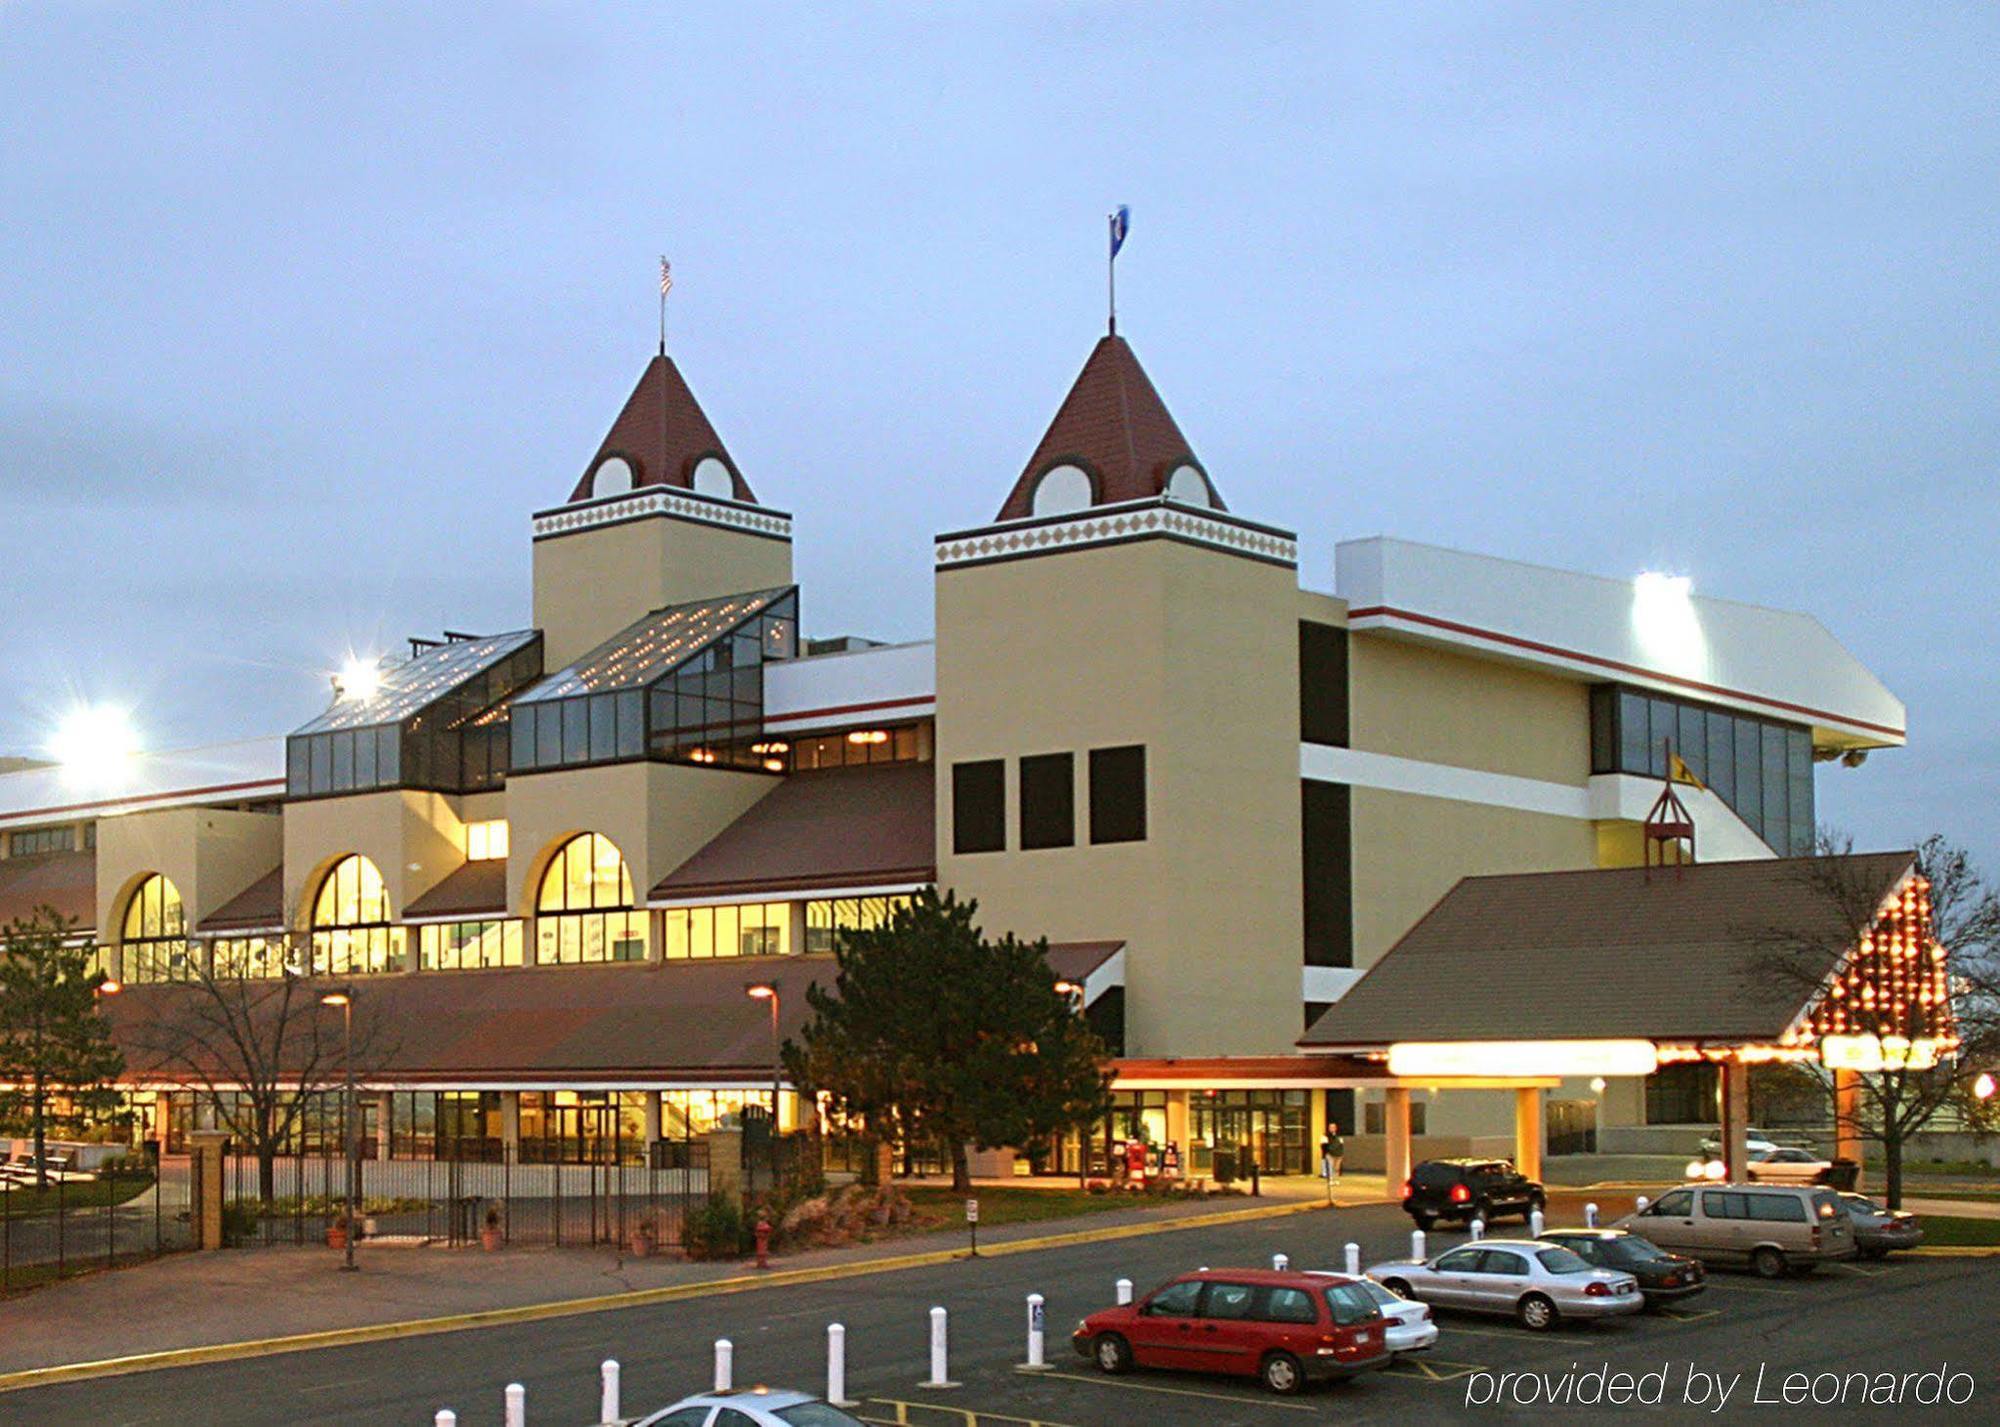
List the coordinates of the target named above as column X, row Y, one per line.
column 261, row 1293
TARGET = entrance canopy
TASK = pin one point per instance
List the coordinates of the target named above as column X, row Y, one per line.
column 1617, row 971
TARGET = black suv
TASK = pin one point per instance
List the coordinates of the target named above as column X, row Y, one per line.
column 1468, row 1189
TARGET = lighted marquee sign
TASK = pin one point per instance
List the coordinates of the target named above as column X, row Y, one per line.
column 1889, row 1008
column 1872, row 1053
column 1456, row 1060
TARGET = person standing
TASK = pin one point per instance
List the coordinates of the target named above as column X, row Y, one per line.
column 1331, row 1152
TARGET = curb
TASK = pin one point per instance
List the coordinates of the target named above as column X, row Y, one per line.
column 1955, row 1251
column 611, row 1302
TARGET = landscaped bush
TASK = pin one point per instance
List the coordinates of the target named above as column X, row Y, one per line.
column 717, row 1230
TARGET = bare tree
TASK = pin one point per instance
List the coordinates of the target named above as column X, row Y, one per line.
column 1843, row 905
column 260, row 1045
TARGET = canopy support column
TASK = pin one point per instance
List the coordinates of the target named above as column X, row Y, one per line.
column 1528, row 1131
column 1847, row 1116
column 1396, row 1138
column 1735, row 1119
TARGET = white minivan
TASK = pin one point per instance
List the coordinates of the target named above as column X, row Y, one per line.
column 1772, row 1228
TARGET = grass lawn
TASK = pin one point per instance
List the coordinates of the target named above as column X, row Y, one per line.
column 937, row 1207
column 1976, row 1196
column 95, row 1194
column 1939, row 1229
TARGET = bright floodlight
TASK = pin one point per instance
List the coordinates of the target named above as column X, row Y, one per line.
column 1666, row 624
column 359, row 679
column 93, row 742
column 1983, row 1086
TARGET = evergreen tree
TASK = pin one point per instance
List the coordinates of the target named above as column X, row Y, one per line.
column 57, row 1058
column 933, row 1032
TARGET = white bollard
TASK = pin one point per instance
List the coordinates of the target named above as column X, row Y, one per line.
column 1280, row 1262
column 1639, row 1204
column 1124, row 1292
column 1037, row 1338
column 1354, row 1260
column 517, row 1405
column 725, row 1364
column 1478, row 1228
column 1416, row 1244
column 446, row 1418
column 607, row 1404
column 1590, row 1216
column 940, row 1376
column 836, row 1366
column 1534, row 1223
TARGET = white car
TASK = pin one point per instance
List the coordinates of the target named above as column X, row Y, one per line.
column 1755, row 1141
column 1537, row 1283
column 1410, row 1327
column 1788, row 1166
column 750, row 1407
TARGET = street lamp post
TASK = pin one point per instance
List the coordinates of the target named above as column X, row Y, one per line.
column 1597, row 1115
column 768, row 991
column 349, row 1115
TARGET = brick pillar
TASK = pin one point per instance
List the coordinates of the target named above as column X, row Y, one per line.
column 1396, row 1138
column 205, row 1186
column 725, row 1162
column 1528, row 1138
column 1847, row 1116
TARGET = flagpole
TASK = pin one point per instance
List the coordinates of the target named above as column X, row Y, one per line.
column 1111, row 268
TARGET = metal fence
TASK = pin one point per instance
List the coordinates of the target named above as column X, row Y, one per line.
column 455, row 1201
column 78, row 1222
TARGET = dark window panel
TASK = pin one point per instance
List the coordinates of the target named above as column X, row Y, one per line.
column 1804, row 817
column 1632, row 731
column 1691, row 742
column 1777, row 783
column 1323, row 705
column 364, row 759
column 1048, row 798
column 1749, row 802
column 548, row 735
column 1327, row 838
column 389, row 754
column 1604, row 728
column 603, row 727
column 1118, row 794
column 979, row 806
column 322, row 763
column 1720, row 770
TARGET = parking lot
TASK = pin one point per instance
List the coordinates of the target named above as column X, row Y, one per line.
column 1901, row 1316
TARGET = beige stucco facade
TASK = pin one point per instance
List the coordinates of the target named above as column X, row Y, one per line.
column 592, row 582
column 415, row 840
column 1194, row 654
column 1427, row 703
column 209, row 854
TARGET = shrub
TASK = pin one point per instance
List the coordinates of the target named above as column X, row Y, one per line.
column 716, row 1230
column 239, row 1222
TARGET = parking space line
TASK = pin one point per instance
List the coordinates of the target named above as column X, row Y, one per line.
column 1178, row 1391
column 1433, row 1369
column 1863, row 1272
column 1688, row 1315
column 1754, row 1288
column 959, row 1416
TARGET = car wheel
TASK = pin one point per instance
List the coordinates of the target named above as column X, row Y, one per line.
column 1768, row 1263
column 1424, row 1221
column 1282, row 1374
column 1399, row 1287
column 1113, row 1353
column 1536, row 1312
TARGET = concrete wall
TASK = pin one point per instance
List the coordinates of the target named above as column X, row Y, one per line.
column 1193, row 653
column 414, row 839
column 591, row 583
column 210, row 855
column 1424, row 702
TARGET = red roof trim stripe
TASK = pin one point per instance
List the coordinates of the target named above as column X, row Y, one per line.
column 276, row 783
column 1389, row 611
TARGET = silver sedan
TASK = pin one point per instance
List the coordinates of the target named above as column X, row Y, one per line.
column 1538, row 1283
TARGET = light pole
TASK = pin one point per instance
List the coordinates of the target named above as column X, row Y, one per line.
column 768, row 991
column 1597, row 1115
column 348, row 1114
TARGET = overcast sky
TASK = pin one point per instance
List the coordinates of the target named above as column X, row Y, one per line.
column 303, row 310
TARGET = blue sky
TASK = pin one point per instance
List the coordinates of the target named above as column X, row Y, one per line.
column 305, row 308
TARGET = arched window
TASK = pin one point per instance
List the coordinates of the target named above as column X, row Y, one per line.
column 1189, row 486
column 584, row 911
column 351, row 931
column 155, row 933
column 1063, row 489
column 613, row 476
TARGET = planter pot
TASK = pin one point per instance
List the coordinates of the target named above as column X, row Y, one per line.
column 644, row 1244
column 490, row 1240
column 336, row 1238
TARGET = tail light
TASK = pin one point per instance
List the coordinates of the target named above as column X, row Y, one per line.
column 1597, row 1288
column 1814, row 1231
column 1406, row 1189
column 1459, row 1194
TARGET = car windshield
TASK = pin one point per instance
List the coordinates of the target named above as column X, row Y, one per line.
column 815, row 1414
column 1861, row 1202
column 1380, row 1294
column 1560, row 1260
column 1351, row 1304
column 1632, row 1251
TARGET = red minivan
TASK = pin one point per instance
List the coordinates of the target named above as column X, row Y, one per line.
column 1283, row 1328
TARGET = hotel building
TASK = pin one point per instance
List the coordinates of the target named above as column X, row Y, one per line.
column 550, row 859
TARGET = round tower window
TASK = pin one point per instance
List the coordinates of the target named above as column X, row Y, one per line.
column 1189, row 487
column 1063, row 489
column 613, row 476
column 712, row 477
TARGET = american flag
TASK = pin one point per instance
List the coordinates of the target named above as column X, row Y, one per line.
column 666, row 277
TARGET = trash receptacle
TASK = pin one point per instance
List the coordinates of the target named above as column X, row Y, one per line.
column 1225, row 1165
column 465, row 1219
column 1843, row 1174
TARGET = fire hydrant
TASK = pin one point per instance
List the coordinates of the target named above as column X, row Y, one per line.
column 763, row 1242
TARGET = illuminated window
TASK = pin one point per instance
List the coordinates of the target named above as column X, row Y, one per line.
column 751, row 929
column 486, row 841
column 155, row 934
column 863, row 745
column 825, row 918
column 351, row 931
column 584, row 911
column 248, row 958
column 468, row 946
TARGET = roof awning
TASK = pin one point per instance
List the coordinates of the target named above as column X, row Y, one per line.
column 476, row 889
column 66, row 881
column 259, row 907
column 857, row 828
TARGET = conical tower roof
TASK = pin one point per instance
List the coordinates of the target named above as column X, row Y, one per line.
column 1114, row 427
column 663, row 436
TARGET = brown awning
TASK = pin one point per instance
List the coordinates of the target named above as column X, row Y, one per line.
column 1682, row 954
column 477, row 889
column 539, row 1025
column 873, row 825
column 1074, row 960
column 258, row 907
column 66, row 881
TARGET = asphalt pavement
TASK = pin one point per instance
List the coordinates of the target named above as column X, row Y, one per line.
column 1901, row 1317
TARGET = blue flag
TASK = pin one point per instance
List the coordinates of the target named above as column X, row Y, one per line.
column 1120, row 222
